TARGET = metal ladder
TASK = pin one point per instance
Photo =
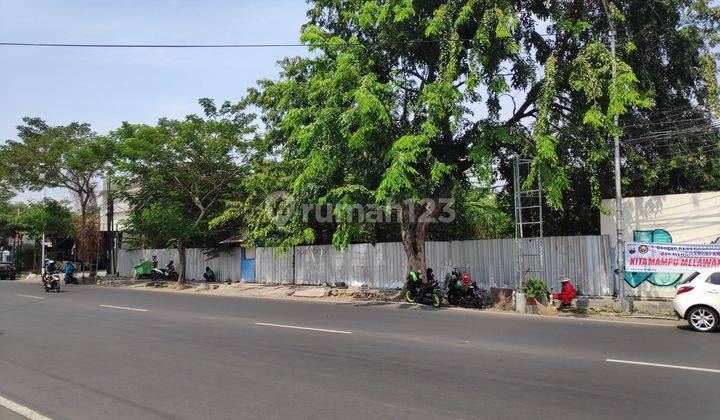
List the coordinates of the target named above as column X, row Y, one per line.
column 529, row 254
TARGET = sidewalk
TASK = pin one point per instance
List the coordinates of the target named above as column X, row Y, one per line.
column 256, row 290
column 347, row 295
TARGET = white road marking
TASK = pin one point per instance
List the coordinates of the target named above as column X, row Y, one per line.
column 302, row 328
column 124, row 307
column 631, row 362
column 34, row 297
column 22, row 410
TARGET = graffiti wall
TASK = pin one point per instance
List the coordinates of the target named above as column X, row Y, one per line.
column 673, row 218
column 660, row 236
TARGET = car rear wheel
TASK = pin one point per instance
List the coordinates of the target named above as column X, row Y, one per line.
column 703, row 319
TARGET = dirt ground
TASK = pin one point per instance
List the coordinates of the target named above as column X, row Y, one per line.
column 254, row 290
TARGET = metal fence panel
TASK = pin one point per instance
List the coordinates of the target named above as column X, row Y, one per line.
column 226, row 265
column 273, row 269
column 585, row 259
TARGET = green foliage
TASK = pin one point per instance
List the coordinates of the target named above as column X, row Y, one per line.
column 45, row 156
column 379, row 114
column 177, row 174
column 534, row 288
column 54, row 218
column 386, row 109
column 479, row 216
column 8, row 214
column 709, row 71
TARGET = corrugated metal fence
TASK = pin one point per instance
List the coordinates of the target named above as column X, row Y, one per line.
column 585, row 259
column 226, row 266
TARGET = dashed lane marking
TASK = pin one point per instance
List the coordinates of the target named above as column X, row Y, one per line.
column 632, row 362
column 294, row 327
column 125, row 308
column 21, row 410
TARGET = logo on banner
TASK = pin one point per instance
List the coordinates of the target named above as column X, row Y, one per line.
column 657, row 236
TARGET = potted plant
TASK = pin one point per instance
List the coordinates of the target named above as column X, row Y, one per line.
column 534, row 290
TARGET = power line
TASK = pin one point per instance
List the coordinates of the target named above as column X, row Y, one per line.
column 279, row 45
column 673, row 133
column 665, row 122
column 234, row 45
column 69, row 45
column 243, row 45
column 701, row 160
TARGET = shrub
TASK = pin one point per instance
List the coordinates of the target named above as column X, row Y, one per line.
column 534, row 288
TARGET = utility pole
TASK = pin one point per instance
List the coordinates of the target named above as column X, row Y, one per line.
column 110, row 234
column 42, row 253
column 42, row 244
column 620, row 243
column 108, row 231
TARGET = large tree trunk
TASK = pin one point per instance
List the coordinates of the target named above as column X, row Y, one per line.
column 182, row 261
column 415, row 220
column 413, row 232
column 414, row 245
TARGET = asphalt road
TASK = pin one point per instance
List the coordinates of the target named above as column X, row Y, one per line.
column 154, row 355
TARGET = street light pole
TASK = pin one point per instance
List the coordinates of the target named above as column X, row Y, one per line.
column 42, row 252
column 620, row 243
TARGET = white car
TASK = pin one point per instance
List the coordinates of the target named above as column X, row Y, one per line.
column 697, row 300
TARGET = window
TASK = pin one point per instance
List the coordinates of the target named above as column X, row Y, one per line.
column 714, row 279
column 689, row 278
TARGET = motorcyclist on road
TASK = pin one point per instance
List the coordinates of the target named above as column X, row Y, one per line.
column 69, row 270
column 567, row 293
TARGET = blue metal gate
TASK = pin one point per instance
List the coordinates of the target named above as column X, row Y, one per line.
column 247, row 272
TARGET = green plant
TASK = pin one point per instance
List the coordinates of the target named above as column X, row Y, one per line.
column 534, row 288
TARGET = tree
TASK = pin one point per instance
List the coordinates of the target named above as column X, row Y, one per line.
column 176, row 174
column 385, row 110
column 70, row 157
column 665, row 46
column 52, row 218
column 8, row 215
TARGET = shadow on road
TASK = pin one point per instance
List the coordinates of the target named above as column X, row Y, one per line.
column 686, row 327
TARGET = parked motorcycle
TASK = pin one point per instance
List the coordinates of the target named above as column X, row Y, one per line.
column 163, row 274
column 427, row 292
column 463, row 291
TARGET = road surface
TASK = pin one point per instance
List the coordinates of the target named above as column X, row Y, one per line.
column 103, row 353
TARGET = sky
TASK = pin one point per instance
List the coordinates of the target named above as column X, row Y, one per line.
column 104, row 87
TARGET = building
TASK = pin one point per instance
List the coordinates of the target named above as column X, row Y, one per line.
column 676, row 218
column 120, row 211
column 113, row 212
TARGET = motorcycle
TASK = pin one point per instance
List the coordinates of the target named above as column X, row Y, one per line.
column 416, row 290
column 51, row 282
column 462, row 291
column 163, row 274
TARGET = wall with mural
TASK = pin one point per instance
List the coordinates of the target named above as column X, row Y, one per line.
column 657, row 279
column 673, row 218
